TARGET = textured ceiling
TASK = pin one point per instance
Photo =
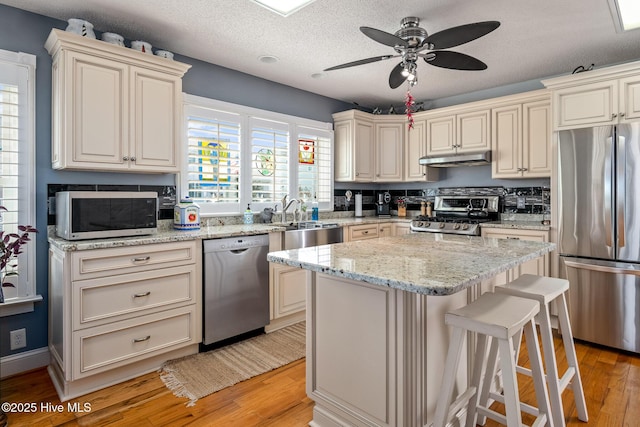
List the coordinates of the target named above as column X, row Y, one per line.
column 536, row 39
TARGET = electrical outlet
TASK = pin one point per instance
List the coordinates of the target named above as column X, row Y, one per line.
column 18, row 338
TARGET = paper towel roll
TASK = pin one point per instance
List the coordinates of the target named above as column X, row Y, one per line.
column 359, row 205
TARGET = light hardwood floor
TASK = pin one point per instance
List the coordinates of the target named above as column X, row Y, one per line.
column 611, row 381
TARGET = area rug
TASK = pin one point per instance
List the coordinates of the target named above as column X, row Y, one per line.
column 201, row 374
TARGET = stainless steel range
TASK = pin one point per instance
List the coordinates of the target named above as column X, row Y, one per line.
column 458, row 215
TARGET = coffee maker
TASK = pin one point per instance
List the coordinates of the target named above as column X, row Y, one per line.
column 382, row 206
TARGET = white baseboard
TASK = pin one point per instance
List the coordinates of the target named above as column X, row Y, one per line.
column 23, row 362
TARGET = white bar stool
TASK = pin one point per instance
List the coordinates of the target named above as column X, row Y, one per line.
column 544, row 290
column 500, row 318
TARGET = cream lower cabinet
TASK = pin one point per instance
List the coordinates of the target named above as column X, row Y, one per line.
column 114, row 109
column 538, row 266
column 117, row 313
column 386, row 229
column 400, row 228
column 521, row 139
column 361, row 232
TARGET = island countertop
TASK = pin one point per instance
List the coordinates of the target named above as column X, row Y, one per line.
column 423, row 263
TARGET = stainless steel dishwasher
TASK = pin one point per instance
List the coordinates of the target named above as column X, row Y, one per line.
column 236, row 286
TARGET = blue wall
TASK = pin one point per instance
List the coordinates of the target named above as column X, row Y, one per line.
column 27, row 32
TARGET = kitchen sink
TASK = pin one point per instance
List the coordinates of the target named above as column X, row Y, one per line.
column 311, row 233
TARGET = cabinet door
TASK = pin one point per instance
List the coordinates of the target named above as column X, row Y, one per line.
column 506, row 125
column 586, row 105
column 472, row 132
column 343, row 140
column 401, row 228
column 289, row 290
column 416, row 147
column 630, row 98
column 389, row 151
column 441, row 135
column 538, row 266
column 155, row 129
column 364, row 152
column 363, row 232
column 536, row 139
column 385, row 229
column 96, row 113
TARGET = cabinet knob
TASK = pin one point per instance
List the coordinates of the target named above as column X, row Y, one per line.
column 614, row 115
column 622, row 114
column 357, row 174
column 133, row 159
column 524, row 169
column 125, row 158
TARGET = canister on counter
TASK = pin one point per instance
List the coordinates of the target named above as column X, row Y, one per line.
column 186, row 215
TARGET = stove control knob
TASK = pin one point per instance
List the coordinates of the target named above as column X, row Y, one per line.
column 456, row 226
column 441, row 225
column 419, row 224
column 465, row 227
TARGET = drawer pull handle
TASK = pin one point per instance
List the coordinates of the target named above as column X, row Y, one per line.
column 140, row 259
column 513, row 238
column 366, row 232
column 147, row 338
column 145, row 294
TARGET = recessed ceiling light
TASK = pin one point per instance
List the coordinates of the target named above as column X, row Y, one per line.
column 318, row 75
column 268, row 59
column 626, row 14
column 283, row 7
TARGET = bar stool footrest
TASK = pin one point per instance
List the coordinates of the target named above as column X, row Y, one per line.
column 566, row 378
column 524, row 407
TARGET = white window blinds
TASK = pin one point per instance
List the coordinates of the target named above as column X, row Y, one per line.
column 269, row 162
column 17, row 164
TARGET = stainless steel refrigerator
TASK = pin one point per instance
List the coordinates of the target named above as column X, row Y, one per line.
column 599, row 232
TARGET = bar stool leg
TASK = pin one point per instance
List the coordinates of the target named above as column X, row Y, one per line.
column 572, row 359
column 539, row 383
column 490, row 377
column 478, row 367
column 510, row 382
column 555, row 393
column 448, row 377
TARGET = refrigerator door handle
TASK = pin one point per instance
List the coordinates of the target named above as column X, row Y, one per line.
column 603, row 266
column 608, row 187
column 621, row 189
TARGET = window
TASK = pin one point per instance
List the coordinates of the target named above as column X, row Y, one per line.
column 239, row 155
column 17, row 165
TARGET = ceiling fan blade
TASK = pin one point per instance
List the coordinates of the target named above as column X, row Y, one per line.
column 456, row 36
column 454, row 61
column 396, row 78
column 383, row 37
column 361, row 62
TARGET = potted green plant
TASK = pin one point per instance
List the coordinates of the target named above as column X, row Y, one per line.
column 10, row 247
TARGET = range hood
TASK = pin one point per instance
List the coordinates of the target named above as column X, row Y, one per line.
column 466, row 159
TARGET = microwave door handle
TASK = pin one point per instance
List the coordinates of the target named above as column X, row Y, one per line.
column 621, row 190
column 608, row 184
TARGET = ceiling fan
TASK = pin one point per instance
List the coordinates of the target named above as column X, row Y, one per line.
column 412, row 42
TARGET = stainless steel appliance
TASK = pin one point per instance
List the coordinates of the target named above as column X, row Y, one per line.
column 236, row 286
column 465, row 159
column 458, row 215
column 382, row 207
column 599, row 232
column 100, row 214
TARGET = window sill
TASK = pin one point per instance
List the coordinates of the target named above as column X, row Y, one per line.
column 18, row 305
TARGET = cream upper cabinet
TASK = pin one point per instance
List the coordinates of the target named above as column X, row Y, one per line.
column 114, row 109
column 416, row 147
column 464, row 131
column 521, row 135
column 389, row 141
column 354, row 147
column 604, row 96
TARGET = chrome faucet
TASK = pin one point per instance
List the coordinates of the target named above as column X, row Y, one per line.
column 286, row 206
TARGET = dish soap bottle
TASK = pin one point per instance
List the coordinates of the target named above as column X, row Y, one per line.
column 248, row 215
column 314, row 208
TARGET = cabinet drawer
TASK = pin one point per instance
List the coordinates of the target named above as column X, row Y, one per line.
column 113, row 261
column 362, row 232
column 97, row 301
column 109, row 346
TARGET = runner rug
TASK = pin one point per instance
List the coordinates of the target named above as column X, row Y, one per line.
column 201, row 374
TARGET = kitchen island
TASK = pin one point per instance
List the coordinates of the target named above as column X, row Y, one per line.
column 376, row 339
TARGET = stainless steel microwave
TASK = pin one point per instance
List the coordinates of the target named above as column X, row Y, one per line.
column 101, row 214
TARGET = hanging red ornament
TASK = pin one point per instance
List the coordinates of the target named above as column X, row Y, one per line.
column 409, row 102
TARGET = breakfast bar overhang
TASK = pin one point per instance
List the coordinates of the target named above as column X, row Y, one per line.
column 376, row 338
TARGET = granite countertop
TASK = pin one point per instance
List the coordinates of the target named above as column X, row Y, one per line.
column 518, row 225
column 424, row 263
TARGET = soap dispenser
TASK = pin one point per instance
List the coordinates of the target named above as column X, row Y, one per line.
column 248, row 215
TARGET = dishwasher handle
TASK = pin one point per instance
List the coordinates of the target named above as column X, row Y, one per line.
column 238, row 251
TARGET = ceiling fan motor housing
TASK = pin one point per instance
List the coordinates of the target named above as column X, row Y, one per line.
column 411, row 32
